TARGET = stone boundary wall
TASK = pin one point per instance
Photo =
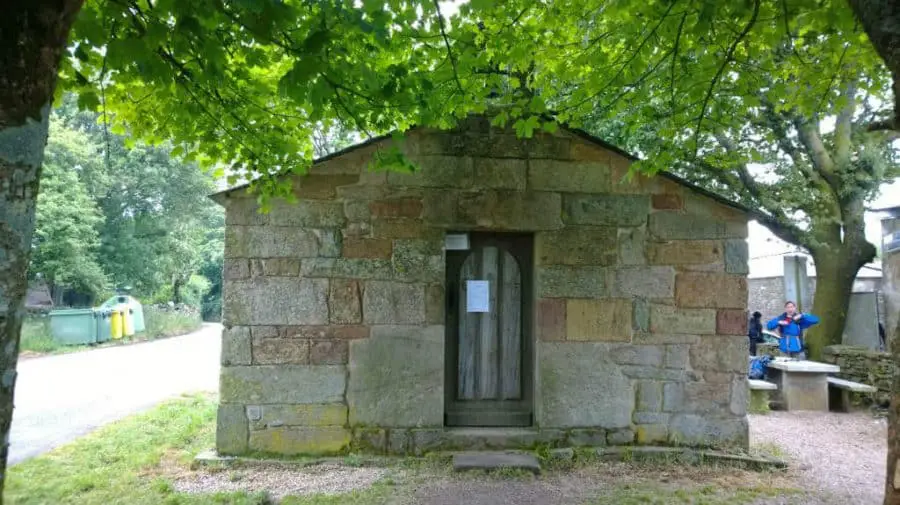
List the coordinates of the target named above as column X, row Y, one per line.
column 334, row 305
column 859, row 364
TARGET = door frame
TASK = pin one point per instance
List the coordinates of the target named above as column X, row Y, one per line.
column 486, row 413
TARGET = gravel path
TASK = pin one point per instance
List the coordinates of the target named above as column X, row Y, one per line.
column 843, row 454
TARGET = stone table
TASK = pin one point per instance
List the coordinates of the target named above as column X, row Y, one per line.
column 802, row 385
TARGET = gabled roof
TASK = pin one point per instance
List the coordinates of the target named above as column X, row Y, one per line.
column 575, row 131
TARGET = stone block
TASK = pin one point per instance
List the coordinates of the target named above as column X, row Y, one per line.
column 320, row 187
column 298, row 384
column 686, row 252
column 370, row 439
column 598, row 320
column 740, row 395
column 664, row 339
column 586, row 437
column 281, row 267
column 236, row 346
column 667, row 319
column 232, row 429
column 399, row 442
column 581, row 387
column 434, row 304
column 373, row 248
column 650, row 417
column 551, row 319
column 440, row 208
column 606, row 210
column 681, row 226
column 425, row 441
column 277, row 300
column 641, row 372
column 328, row 352
column 273, row 416
column 235, row 269
column 291, row 440
column 696, row 397
column 418, row 260
column 644, row 355
column 325, row 332
column 402, row 228
column 271, row 242
column 664, row 201
column 397, row 377
column 694, row 429
column 650, row 395
column 393, row 303
column 329, row 242
column 307, row 213
column 258, row 332
column 436, row 172
column 640, row 315
column 737, row 257
column 398, row 207
column 572, row 282
column 498, row 173
column 731, row 322
column 644, row 282
column 575, row 177
column 648, row 434
column 344, row 304
column 244, row 211
column 710, row 290
column 624, row 436
column 678, row 356
column 584, row 151
column 510, row 210
column 357, row 211
column 280, row 351
column 577, row 246
column 632, row 245
column 347, row 268
column 720, row 353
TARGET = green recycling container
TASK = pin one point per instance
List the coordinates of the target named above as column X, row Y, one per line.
column 104, row 324
column 137, row 311
column 74, row 326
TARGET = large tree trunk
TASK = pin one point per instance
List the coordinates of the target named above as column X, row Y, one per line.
column 834, row 283
column 892, row 481
column 881, row 21
column 33, row 35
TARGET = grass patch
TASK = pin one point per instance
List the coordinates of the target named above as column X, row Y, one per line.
column 376, row 495
column 36, row 336
column 646, row 494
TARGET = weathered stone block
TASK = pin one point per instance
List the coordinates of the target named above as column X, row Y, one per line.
column 644, row 355
column 328, row 352
column 620, row 437
column 640, row 372
column 720, row 353
column 576, row 177
column 586, row 437
column 346, row 268
column 694, row 429
column 648, row 434
column 581, row 387
column 270, row 242
column 235, row 269
column 737, row 257
column 667, row 319
column 434, row 304
column 402, row 228
column 281, row 267
column 497, row 173
column 399, row 442
column 436, row 172
column 645, row 282
column 357, row 211
column 232, row 429
column 510, row 210
column 344, row 304
column 650, row 395
column 577, row 246
column 665, row 201
column 244, row 211
column 551, row 319
column 440, row 208
column 393, row 303
column 280, row 351
column 418, row 260
column 273, row 416
column 598, row 320
column 325, row 332
column 680, row 226
column 731, row 322
column 632, row 244
column 606, row 210
column 686, row 252
column 298, row 384
column 291, row 440
column 696, row 397
column 373, row 248
column 664, row 339
column 329, row 242
column 399, row 207
column 277, row 300
column 320, row 187
column 640, row 315
column 650, row 417
column 584, row 151
column 740, row 395
column 572, row 282
column 397, row 377
column 307, row 213
column 370, row 439
column 236, row 346
column 678, row 356
column 710, row 290
column 427, row 440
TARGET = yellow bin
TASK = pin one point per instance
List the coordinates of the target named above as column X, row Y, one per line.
column 115, row 324
column 127, row 320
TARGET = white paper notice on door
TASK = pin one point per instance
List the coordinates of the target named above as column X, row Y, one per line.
column 478, row 296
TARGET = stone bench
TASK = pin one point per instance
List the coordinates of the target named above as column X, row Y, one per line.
column 759, row 395
column 839, row 391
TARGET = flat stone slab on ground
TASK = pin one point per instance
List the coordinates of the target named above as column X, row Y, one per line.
column 495, row 460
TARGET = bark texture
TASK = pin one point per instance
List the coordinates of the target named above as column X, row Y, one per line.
column 834, row 284
column 33, row 35
column 881, row 21
column 892, row 481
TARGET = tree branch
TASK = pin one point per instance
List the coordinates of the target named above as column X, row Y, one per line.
column 844, row 125
column 452, row 58
column 808, row 132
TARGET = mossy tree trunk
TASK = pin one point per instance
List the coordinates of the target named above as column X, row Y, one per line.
column 835, row 272
column 892, row 480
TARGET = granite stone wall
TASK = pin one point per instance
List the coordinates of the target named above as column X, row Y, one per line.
column 860, row 364
column 334, row 305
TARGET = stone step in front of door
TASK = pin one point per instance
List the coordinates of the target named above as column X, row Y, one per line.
column 479, row 460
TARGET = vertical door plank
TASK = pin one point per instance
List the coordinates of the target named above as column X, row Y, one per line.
column 468, row 334
column 510, row 328
column 488, row 353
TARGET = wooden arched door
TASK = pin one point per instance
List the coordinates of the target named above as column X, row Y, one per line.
column 489, row 348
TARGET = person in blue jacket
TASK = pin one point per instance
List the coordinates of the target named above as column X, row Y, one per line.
column 791, row 324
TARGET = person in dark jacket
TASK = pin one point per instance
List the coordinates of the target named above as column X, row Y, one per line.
column 791, row 325
column 754, row 332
